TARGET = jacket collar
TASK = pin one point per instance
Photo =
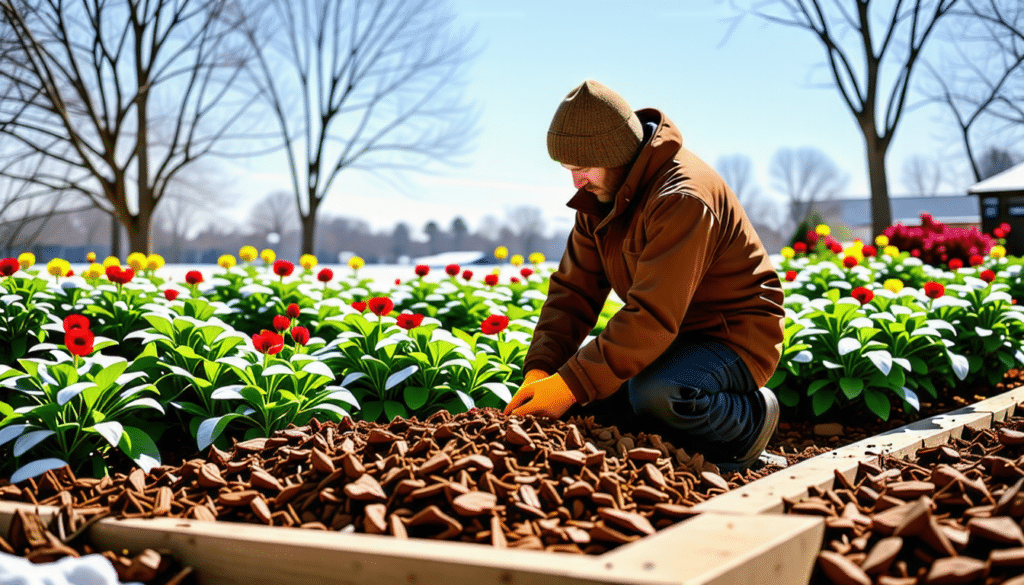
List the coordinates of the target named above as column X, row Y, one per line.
column 661, row 147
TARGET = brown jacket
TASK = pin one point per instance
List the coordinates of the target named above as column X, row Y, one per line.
column 680, row 252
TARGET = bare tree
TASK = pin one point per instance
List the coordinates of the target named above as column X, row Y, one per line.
column 274, row 214
column 26, row 210
column 459, row 231
column 123, row 94
column 922, row 175
column 983, row 81
column 872, row 56
column 994, row 161
column 528, row 224
column 805, row 176
column 370, row 85
column 738, row 172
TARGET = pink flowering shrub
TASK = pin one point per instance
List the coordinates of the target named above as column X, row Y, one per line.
column 936, row 243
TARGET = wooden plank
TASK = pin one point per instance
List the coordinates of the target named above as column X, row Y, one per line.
column 1001, row 406
column 226, row 553
column 764, row 496
column 725, row 549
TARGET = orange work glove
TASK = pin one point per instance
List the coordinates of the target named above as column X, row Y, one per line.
column 532, row 376
column 549, row 397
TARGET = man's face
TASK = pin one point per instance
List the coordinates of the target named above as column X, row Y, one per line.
column 602, row 182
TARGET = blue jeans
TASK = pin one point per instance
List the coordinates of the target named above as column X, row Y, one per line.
column 699, row 396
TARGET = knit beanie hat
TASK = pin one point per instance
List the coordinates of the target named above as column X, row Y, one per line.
column 594, row 127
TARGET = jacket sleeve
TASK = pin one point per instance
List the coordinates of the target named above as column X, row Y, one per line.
column 576, row 295
column 681, row 234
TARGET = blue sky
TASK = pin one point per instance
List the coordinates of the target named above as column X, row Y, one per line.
column 759, row 91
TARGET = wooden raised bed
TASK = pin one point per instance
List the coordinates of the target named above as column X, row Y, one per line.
column 740, row 536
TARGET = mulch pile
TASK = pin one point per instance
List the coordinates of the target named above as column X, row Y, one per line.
column 568, row 486
column 950, row 514
column 28, row 536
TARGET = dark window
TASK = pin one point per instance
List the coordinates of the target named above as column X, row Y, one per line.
column 990, row 207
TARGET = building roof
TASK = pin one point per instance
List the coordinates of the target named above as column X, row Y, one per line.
column 906, row 210
column 1012, row 179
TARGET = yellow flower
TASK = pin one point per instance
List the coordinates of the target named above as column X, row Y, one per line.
column 137, row 261
column 892, row 251
column 787, row 252
column 58, row 267
column 856, row 250
column 893, row 284
column 26, row 260
column 226, row 261
column 355, row 263
column 268, row 256
column 501, row 252
column 307, row 261
column 997, row 252
column 90, row 257
column 881, row 240
column 822, row 230
column 536, row 258
column 111, row 261
column 248, row 253
column 154, row 262
column 517, row 260
column 496, row 272
column 94, row 271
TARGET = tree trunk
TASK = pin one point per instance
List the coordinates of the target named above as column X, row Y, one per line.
column 308, row 233
column 139, row 236
column 881, row 212
column 115, row 236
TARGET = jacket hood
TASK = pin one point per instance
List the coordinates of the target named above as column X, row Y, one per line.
column 659, row 148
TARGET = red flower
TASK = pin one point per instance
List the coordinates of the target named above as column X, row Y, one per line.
column 170, row 294
column 71, row 272
column 850, row 261
column 9, row 266
column 956, row 264
column 526, row 272
column 916, row 252
column 292, row 311
column 791, row 275
column 467, row 274
column 325, row 275
column 79, row 341
column 976, row 259
column 862, row 294
column 281, row 322
column 999, row 233
column 491, row 279
column 452, row 270
column 75, row 322
column 422, row 270
column 987, row 275
column 359, row 305
column 513, row 279
column 300, row 335
column 268, row 342
column 799, row 247
column 934, row 290
column 398, row 281
column 869, row 250
column 408, row 321
column 283, row 268
column 193, row 277
column 836, row 248
column 380, row 306
column 118, row 276
column 494, row 324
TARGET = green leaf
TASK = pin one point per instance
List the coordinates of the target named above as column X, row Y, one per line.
column 371, row 411
column 415, row 396
column 851, row 387
column 878, row 402
column 823, row 401
column 788, row 397
column 394, row 409
column 817, row 385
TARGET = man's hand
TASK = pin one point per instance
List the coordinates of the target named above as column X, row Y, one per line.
column 532, row 376
column 548, row 396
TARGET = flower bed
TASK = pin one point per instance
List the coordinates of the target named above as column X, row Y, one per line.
column 950, row 513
